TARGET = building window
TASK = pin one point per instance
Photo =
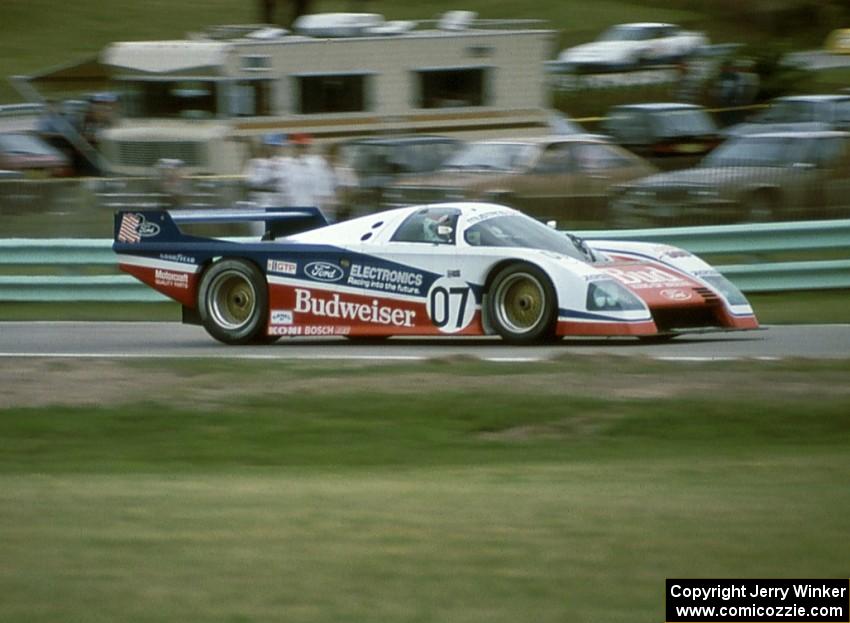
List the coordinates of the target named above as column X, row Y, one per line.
column 251, row 98
column 256, row 63
column 331, row 93
column 190, row 99
column 452, row 88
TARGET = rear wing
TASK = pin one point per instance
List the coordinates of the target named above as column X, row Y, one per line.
column 134, row 226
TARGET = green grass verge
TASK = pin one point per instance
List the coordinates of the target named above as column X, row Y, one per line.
column 450, row 491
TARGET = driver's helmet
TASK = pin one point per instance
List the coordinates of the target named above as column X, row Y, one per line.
column 437, row 227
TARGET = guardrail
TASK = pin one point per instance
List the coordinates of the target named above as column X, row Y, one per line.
column 67, row 256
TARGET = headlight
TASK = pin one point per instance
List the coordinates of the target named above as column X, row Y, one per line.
column 727, row 289
column 609, row 295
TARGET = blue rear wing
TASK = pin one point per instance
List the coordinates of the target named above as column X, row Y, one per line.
column 134, row 226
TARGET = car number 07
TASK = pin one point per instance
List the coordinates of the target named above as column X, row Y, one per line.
column 451, row 305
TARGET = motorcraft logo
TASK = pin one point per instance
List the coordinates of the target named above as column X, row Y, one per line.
column 676, row 295
column 171, row 279
column 323, row 271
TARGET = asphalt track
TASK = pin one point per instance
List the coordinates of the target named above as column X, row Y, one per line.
column 166, row 339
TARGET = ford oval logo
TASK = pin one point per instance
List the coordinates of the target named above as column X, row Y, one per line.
column 323, row 271
column 676, row 295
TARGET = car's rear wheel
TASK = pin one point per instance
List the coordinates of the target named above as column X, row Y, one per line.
column 522, row 305
column 233, row 302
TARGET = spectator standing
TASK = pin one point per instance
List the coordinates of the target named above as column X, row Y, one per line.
column 307, row 180
column 263, row 171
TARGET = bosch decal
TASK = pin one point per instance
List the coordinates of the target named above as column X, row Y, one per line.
column 323, row 271
column 336, row 307
column 280, row 266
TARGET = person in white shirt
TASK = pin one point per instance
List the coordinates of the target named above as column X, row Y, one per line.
column 307, row 179
column 263, row 171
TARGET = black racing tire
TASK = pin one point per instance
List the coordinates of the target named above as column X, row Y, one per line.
column 367, row 339
column 233, row 302
column 522, row 305
column 661, row 338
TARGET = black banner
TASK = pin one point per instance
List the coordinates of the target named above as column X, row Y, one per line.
column 762, row 601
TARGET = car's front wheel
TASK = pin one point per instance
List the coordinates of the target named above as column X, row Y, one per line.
column 233, row 302
column 521, row 304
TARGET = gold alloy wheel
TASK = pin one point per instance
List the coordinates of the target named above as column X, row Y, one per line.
column 520, row 302
column 232, row 300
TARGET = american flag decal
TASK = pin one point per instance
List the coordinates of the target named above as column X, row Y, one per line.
column 129, row 230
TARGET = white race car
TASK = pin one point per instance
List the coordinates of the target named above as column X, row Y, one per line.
column 627, row 46
column 442, row 269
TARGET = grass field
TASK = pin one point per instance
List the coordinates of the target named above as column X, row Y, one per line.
column 38, row 34
column 449, row 491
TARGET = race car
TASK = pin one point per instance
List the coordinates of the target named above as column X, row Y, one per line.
column 447, row 269
column 627, row 46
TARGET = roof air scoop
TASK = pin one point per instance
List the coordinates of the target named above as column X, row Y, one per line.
column 337, row 24
column 456, row 20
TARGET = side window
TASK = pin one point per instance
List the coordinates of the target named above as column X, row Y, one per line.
column 596, row 157
column 429, row 225
column 556, row 159
column 628, row 127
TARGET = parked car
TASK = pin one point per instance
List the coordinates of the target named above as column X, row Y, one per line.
column 626, row 46
column 760, row 177
column 32, row 156
column 798, row 112
column 671, row 135
column 376, row 162
column 563, row 178
column 838, row 41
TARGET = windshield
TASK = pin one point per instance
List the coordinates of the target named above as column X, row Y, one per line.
column 491, row 156
column 25, row 144
column 685, row 122
column 627, row 33
column 517, row 230
column 761, row 151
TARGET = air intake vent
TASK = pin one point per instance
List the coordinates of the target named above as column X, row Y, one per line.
column 148, row 153
column 708, row 295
